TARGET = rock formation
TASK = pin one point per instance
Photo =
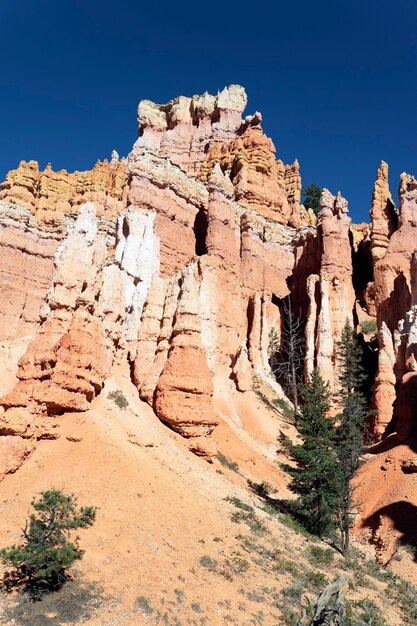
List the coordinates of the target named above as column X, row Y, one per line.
column 176, row 260
column 394, row 294
column 331, row 294
column 51, row 195
column 384, row 220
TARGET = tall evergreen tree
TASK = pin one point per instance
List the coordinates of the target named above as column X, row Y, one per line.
column 349, row 433
column 311, row 199
column 316, row 477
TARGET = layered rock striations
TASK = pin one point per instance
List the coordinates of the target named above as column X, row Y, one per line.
column 177, row 260
column 51, row 195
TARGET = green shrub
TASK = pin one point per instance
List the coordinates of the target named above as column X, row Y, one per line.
column 284, row 408
column 144, row 605
column 283, row 566
column 227, row 462
column 239, row 503
column 315, row 579
column 48, row 548
column 369, row 327
column 208, row 563
column 320, row 556
column 118, row 398
column 405, row 596
column 361, row 612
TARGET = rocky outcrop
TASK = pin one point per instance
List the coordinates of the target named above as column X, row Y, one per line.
column 395, row 275
column 180, row 203
column 184, row 129
column 260, row 181
column 177, row 260
column 51, row 195
column 384, row 219
column 27, row 252
column 183, row 395
column 331, row 294
column 65, row 366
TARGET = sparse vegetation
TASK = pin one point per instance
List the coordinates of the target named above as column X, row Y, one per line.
column 362, row 612
column 231, row 465
column 284, row 408
column 118, row 398
column 208, row 563
column 239, row 503
column 144, row 605
column 76, row 602
column 369, row 327
column 250, row 519
column 404, row 594
column 320, row 556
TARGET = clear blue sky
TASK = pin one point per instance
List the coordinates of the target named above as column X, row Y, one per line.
column 336, row 82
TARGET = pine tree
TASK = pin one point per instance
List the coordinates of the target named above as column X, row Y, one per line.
column 316, row 477
column 349, row 433
column 312, row 196
column 48, row 548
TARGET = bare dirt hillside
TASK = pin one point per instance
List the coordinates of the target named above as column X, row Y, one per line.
column 177, row 540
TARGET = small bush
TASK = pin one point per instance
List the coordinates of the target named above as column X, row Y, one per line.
column 118, row 398
column 239, row 503
column 405, row 596
column 369, row 327
column 144, row 605
column 320, row 556
column 284, row 408
column 293, row 593
column 361, row 612
column 315, row 579
column 208, row 563
column 48, row 548
column 283, row 566
column 250, row 519
column 227, row 462
column 238, row 565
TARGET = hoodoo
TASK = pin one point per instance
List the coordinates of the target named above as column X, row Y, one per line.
column 176, row 264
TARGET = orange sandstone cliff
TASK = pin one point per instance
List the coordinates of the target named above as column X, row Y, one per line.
column 175, row 262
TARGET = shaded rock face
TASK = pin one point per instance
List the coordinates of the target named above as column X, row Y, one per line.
column 395, row 299
column 176, row 261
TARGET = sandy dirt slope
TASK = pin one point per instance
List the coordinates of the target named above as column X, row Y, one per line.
column 166, row 547
column 160, row 507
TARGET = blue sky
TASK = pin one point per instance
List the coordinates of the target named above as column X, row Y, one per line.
column 336, row 82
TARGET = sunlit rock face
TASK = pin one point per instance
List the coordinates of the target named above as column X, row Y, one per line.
column 176, row 260
column 330, row 293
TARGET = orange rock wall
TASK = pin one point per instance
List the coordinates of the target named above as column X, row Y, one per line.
column 50, row 195
column 184, row 251
column 26, row 266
